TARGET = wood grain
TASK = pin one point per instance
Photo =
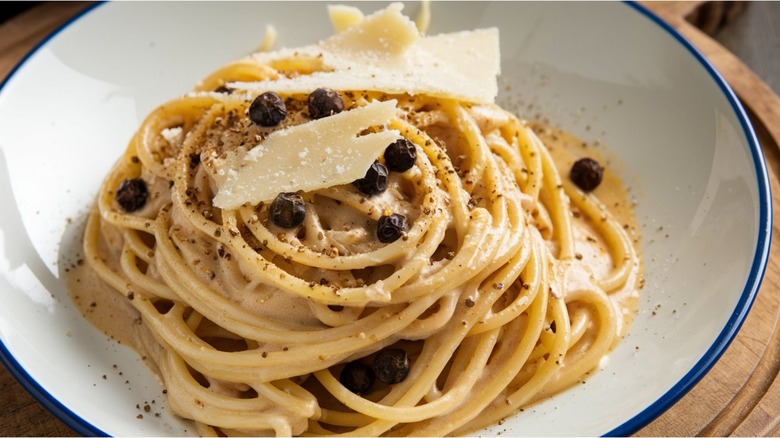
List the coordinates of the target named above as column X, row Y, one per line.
column 740, row 396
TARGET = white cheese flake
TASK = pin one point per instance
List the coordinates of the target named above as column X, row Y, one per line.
column 343, row 16
column 386, row 52
column 335, row 154
column 381, row 34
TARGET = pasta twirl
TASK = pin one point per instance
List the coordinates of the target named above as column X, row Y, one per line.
column 252, row 324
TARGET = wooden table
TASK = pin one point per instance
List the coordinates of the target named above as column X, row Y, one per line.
column 741, row 394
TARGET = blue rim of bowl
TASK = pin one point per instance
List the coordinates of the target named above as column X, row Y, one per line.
column 630, row 426
column 757, row 269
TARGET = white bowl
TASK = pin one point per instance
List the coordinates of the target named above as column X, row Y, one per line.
column 604, row 71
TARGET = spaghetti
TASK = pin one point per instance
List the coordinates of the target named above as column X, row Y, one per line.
column 255, row 327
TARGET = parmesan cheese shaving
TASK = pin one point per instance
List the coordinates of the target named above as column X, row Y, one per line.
column 343, row 16
column 314, row 155
column 386, row 52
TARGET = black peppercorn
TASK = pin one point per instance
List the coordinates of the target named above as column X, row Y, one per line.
column 324, row 102
column 267, row 109
column 391, row 365
column 400, row 155
column 375, row 181
column 391, row 227
column 357, row 377
column 131, row 194
column 586, row 173
column 288, row 210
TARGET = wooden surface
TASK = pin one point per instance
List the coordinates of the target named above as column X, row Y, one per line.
column 740, row 396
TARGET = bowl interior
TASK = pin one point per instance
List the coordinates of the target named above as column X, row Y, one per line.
column 605, row 72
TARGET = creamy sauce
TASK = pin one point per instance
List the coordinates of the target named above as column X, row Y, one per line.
column 108, row 310
column 102, row 306
column 613, row 193
column 113, row 314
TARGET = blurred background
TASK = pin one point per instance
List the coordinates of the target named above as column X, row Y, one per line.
column 11, row 9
